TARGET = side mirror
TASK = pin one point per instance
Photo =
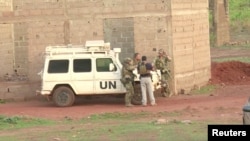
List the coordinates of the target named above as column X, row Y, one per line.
column 111, row 67
column 40, row 73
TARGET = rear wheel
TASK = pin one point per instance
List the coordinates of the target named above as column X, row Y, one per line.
column 63, row 97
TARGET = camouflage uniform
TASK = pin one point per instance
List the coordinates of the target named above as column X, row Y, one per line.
column 161, row 63
column 127, row 80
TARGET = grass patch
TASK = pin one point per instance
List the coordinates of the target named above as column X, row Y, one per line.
column 240, row 46
column 133, row 130
column 207, row 89
column 16, row 122
column 170, row 114
column 239, row 10
column 116, row 115
column 141, row 126
column 227, row 59
column 2, row 101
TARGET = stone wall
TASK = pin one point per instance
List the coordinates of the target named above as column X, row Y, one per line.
column 145, row 26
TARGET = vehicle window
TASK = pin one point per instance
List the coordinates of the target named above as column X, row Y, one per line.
column 82, row 65
column 58, row 66
column 102, row 64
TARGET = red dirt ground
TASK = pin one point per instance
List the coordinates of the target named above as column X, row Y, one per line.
column 230, row 73
column 225, row 103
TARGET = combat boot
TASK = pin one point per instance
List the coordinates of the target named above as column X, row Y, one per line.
column 164, row 94
column 170, row 94
column 129, row 105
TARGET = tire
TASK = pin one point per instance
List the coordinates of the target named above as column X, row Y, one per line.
column 137, row 97
column 246, row 118
column 63, row 97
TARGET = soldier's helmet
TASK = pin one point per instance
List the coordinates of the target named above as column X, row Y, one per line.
column 128, row 60
column 161, row 51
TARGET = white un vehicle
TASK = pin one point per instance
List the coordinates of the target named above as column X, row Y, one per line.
column 93, row 69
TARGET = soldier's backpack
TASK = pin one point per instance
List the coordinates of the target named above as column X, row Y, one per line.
column 142, row 68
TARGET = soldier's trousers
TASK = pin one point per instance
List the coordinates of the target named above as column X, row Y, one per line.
column 130, row 92
column 165, row 85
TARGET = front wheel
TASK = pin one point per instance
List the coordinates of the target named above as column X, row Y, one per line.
column 63, row 97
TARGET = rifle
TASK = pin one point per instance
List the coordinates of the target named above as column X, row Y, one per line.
column 165, row 70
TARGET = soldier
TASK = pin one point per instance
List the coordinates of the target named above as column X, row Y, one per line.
column 136, row 62
column 137, row 58
column 127, row 80
column 161, row 63
column 145, row 69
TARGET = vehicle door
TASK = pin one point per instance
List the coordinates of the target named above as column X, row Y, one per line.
column 107, row 77
column 56, row 72
column 82, row 76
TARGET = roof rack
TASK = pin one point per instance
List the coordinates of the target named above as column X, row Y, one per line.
column 97, row 45
column 91, row 47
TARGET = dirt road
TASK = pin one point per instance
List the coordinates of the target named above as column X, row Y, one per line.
column 224, row 104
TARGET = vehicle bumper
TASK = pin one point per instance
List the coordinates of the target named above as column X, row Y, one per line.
column 38, row 92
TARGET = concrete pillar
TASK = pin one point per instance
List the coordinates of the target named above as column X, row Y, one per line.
column 221, row 22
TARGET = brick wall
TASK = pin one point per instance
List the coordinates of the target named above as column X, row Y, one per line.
column 6, row 41
column 40, row 23
column 191, row 49
column 181, row 28
column 153, row 35
column 5, row 5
